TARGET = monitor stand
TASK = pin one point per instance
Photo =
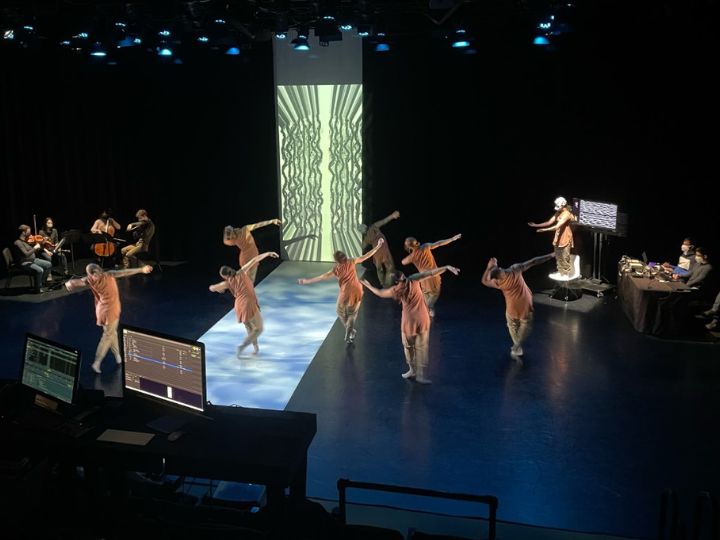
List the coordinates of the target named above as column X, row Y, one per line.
column 168, row 423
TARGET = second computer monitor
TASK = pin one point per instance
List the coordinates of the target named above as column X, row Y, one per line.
column 165, row 368
column 50, row 368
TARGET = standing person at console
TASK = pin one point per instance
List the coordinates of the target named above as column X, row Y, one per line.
column 563, row 240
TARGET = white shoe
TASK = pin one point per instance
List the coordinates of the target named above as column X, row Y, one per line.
column 516, row 350
column 96, row 367
column 409, row 374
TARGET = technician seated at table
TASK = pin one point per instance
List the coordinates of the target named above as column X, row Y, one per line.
column 699, row 272
column 686, row 260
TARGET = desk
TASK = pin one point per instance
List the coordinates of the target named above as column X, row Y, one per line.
column 654, row 307
column 237, row 444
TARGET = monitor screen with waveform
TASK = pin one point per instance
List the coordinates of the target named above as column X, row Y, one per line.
column 165, row 368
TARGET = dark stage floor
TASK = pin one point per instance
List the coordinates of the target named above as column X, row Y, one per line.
column 583, row 434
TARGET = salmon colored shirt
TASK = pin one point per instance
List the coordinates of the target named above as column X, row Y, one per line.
column 246, row 304
column 372, row 236
column 415, row 316
column 246, row 243
column 423, row 260
column 518, row 298
column 564, row 235
column 351, row 290
column 107, row 299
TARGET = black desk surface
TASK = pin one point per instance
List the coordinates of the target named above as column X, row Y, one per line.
column 231, row 443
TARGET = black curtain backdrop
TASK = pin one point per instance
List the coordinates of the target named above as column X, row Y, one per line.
column 625, row 110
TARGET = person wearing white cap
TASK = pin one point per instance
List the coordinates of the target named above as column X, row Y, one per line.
column 563, row 239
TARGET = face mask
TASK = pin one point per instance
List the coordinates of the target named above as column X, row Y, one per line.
column 698, row 259
column 684, row 248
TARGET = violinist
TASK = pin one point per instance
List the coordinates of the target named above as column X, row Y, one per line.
column 142, row 231
column 50, row 234
column 27, row 248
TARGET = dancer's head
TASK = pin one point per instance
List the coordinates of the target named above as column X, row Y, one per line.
column 229, row 235
column 362, row 228
column 411, row 244
column 398, row 277
column 339, row 257
column 226, row 272
column 560, row 203
column 93, row 272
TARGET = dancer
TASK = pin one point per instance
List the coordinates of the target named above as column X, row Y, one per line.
column 518, row 298
column 247, row 308
column 415, row 322
column 421, row 256
column 563, row 239
column 384, row 264
column 351, row 292
column 243, row 239
column 103, row 285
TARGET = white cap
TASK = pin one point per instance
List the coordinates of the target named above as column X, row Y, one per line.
column 560, row 202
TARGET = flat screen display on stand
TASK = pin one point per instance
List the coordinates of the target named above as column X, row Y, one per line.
column 51, row 369
column 166, row 369
column 597, row 215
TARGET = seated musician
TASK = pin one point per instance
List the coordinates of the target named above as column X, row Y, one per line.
column 686, row 260
column 26, row 256
column 103, row 224
column 143, row 231
column 106, row 226
column 52, row 243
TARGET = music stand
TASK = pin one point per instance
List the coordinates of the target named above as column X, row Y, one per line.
column 72, row 237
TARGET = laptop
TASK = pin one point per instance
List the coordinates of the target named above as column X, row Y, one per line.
column 49, row 376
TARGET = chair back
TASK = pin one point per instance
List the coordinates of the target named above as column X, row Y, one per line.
column 7, row 255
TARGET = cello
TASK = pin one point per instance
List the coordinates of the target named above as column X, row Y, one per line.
column 107, row 248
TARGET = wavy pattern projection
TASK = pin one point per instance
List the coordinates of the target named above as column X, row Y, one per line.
column 320, row 153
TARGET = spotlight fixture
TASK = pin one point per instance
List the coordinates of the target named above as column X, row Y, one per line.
column 381, row 43
column 460, row 39
column 98, row 51
column 300, row 43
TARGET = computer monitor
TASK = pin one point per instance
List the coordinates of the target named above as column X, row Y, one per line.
column 50, row 368
column 168, row 369
column 595, row 214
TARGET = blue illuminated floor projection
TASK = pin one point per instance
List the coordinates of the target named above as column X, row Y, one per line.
column 297, row 321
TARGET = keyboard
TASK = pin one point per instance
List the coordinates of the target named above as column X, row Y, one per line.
column 48, row 421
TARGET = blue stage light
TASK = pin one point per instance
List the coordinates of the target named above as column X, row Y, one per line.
column 232, row 51
column 164, row 51
column 541, row 41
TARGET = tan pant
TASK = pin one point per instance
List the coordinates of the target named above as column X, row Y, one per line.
column 563, row 260
column 416, row 350
column 430, row 299
column 348, row 315
column 519, row 328
column 108, row 341
column 129, row 252
column 254, row 328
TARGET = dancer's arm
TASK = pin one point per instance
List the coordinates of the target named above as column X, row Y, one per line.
column 521, row 267
column 255, row 260
column 407, row 260
column 559, row 222
column 445, row 242
column 307, row 281
column 77, row 283
column 422, row 276
column 382, row 293
column 219, row 287
column 130, row 271
column 370, row 253
column 253, row 226
column 386, row 220
column 486, row 279
column 543, row 224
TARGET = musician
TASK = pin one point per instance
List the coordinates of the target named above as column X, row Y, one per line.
column 142, row 231
column 27, row 255
column 49, row 232
column 103, row 223
column 107, row 227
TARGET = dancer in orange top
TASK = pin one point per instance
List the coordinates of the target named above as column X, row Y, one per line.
column 247, row 309
column 384, row 264
column 415, row 322
column 560, row 222
column 518, row 298
column 421, row 256
column 351, row 292
column 107, row 305
column 243, row 239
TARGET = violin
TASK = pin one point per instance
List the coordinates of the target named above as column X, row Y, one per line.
column 35, row 238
